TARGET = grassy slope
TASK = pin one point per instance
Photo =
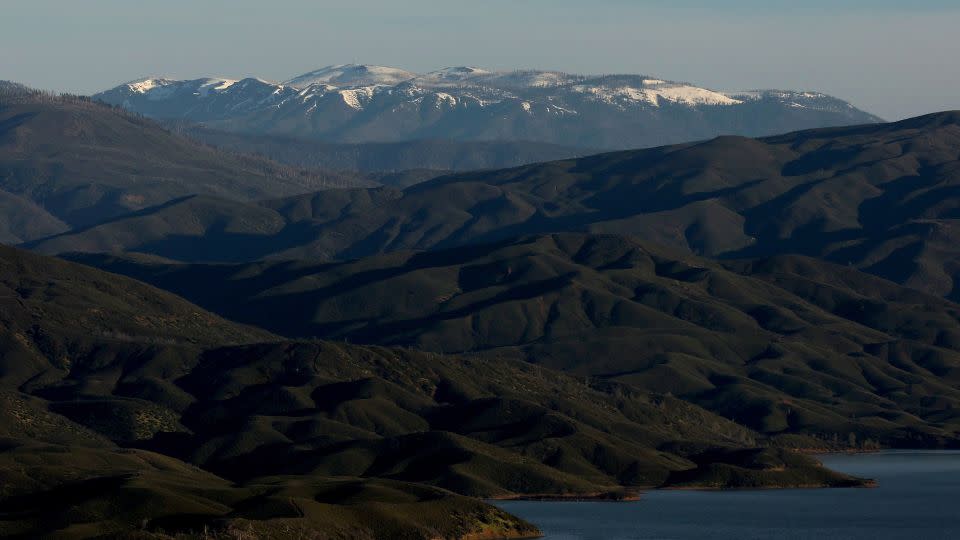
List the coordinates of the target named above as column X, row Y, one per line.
column 112, row 393
column 77, row 492
column 784, row 345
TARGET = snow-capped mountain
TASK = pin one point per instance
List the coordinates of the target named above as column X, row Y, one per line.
column 362, row 103
column 352, row 75
column 197, row 99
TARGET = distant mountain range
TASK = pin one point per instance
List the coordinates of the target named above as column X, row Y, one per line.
column 360, row 103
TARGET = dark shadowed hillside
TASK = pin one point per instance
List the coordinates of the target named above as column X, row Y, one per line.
column 882, row 198
column 62, row 310
column 126, row 410
column 204, row 228
column 784, row 345
column 66, row 162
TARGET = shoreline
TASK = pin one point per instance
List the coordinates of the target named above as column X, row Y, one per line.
column 857, row 451
column 635, row 494
column 914, row 487
column 629, row 495
column 866, row 483
column 834, row 451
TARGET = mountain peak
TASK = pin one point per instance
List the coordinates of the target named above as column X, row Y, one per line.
column 352, row 75
column 146, row 84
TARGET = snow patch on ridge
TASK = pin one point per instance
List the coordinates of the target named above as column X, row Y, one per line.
column 682, row 94
column 352, row 75
column 443, row 97
column 214, row 85
column 357, row 97
column 143, row 86
column 531, row 79
column 692, row 95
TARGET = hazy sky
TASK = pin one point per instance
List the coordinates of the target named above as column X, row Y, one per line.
column 892, row 58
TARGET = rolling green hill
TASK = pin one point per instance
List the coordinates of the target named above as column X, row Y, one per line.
column 129, row 411
column 784, row 345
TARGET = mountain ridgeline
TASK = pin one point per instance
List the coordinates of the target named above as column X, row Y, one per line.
column 357, row 104
column 881, row 198
column 67, row 162
column 788, row 346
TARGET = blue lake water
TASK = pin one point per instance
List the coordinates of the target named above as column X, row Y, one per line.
column 918, row 499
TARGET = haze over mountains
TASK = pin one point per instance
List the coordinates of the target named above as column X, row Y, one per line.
column 391, row 160
column 362, row 103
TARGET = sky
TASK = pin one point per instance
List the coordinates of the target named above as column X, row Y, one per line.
column 893, row 58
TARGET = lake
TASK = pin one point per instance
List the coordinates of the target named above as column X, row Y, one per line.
column 918, row 499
